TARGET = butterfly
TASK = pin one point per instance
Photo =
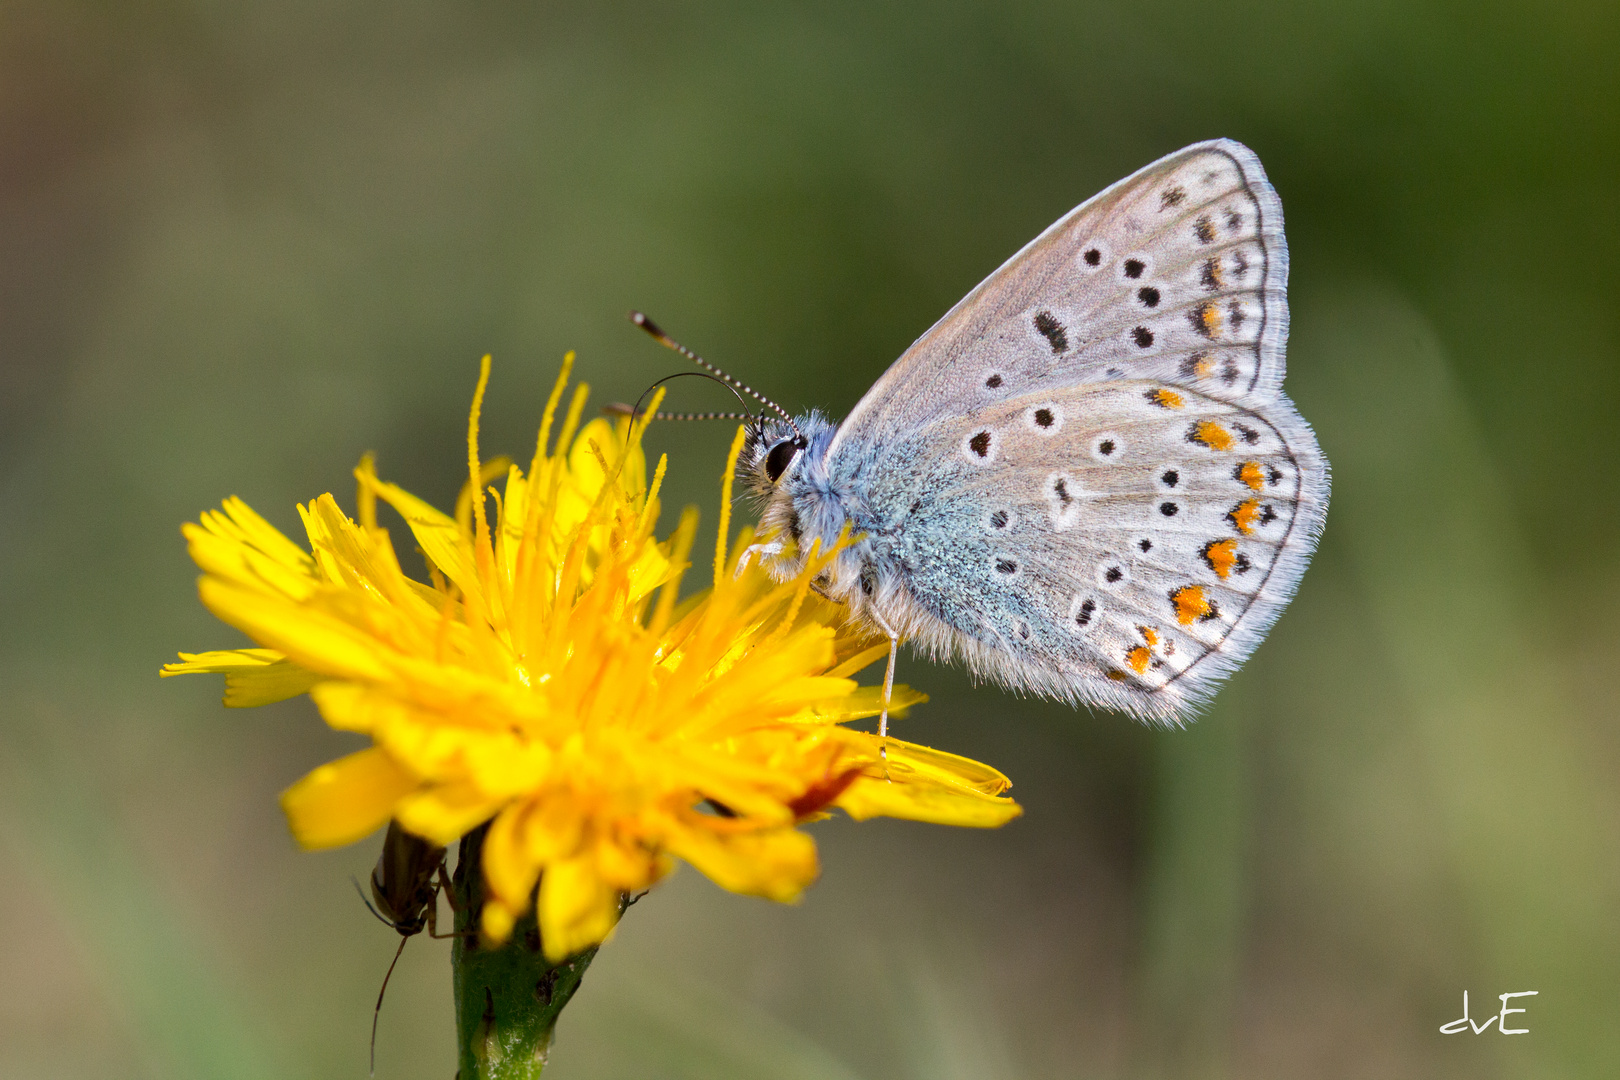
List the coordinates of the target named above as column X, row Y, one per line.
column 1084, row 480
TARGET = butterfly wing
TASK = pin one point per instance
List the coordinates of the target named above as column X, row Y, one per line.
column 1125, row 544
column 1177, row 273
column 1139, row 338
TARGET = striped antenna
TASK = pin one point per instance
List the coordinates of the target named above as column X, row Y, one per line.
column 618, row 408
column 736, row 384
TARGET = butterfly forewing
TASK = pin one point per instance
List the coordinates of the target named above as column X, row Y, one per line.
column 1124, row 544
column 1177, row 273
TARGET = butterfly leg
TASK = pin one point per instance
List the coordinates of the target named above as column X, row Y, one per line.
column 888, row 677
column 760, row 551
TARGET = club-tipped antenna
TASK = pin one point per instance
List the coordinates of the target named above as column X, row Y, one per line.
column 377, row 1012
column 736, row 384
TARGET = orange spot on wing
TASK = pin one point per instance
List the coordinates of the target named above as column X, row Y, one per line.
column 1118, row 676
column 1221, row 555
column 1212, row 435
column 1149, row 635
column 1212, row 319
column 1190, row 603
column 1166, row 399
column 1138, row 658
column 1243, row 515
column 1249, row 472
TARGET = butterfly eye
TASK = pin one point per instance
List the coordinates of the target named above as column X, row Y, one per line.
column 780, row 457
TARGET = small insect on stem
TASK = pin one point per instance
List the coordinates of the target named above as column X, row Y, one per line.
column 405, row 884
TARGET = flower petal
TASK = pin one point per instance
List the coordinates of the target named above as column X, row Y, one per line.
column 774, row 863
column 920, row 784
column 345, row 800
column 311, row 638
column 577, row 908
column 252, row 676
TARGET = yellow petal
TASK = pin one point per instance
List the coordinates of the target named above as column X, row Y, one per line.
column 347, row 706
column 921, row 784
column 926, row 801
column 223, row 660
column 443, row 814
column 311, row 638
column 231, row 559
column 436, row 533
column 774, row 863
column 509, row 871
column 946, row 768
column 345, row 800
column 498, row 920
column 252, row 676
column 577, row 908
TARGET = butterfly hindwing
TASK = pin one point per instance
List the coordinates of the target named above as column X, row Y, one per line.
column 1125, row 544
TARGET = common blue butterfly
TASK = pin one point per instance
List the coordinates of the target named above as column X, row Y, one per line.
column 1085, row 480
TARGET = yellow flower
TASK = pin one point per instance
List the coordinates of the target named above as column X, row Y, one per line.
column 547, row 680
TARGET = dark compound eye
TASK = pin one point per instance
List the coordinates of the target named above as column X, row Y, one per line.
column 780, row 457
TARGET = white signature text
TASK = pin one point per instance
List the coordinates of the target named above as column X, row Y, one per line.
column 1500, row 1019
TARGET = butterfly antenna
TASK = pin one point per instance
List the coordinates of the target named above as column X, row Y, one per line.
column 377, row 1012
column 736, row 384
column 634, row 411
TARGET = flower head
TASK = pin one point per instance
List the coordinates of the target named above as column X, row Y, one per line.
column 548, row 679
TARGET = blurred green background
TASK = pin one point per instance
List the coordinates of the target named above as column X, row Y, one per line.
column 245, row 242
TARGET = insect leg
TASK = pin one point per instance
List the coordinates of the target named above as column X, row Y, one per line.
column 888, row 677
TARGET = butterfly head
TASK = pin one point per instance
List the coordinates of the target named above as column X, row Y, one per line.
column 777, row 451
column 780, row 463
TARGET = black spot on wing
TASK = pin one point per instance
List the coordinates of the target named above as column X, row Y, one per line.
column 1047, row 325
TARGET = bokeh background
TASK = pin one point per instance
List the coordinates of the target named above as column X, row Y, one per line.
column 243, row 242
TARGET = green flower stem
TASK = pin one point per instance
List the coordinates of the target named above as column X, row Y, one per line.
column 507, row 997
